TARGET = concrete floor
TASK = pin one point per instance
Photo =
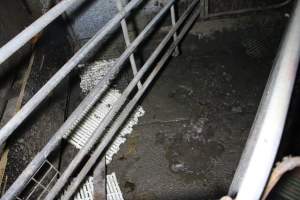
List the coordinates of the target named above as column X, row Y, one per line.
column 199, row 112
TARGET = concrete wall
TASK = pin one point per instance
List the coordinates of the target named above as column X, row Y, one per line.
column 86, row 20
column 221, row 5
column 92, row 16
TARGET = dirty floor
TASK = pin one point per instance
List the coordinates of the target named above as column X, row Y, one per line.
column 198, row 114
column 198, row 111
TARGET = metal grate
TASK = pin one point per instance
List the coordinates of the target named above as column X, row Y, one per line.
column 42, row 181
column 86, row 192
column 255, row 48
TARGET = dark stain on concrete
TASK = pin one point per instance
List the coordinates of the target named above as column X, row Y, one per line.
column 198, row 115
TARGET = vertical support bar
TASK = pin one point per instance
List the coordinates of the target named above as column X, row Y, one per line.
column 206, row 3
column 204, row 8
column 173, row 19
column 127, row 41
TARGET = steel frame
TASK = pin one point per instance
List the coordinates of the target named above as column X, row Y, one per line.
column 184, row 22
column 265, row 134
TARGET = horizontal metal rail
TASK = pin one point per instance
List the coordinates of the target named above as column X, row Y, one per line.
column 83, row 108
column 110, row 116
column 41, row 95
column 28, row 33
column 78, row 114
column 126, row 111
column 117, row 106
column 266, row 132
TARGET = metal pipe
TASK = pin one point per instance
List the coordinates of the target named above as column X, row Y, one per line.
column 173, row 20
column 33, row 103
column 125, row 113
column 127, row 40
column 28, row 33
column 206, row 2
column 266, row 132
column 79, row 112
column 105, row 122
column 82, row 109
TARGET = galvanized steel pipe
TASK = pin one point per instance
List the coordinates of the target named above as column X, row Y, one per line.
column 127, row 40
column 127, row 110
column 28, row 33
column 34, row 102
column 108, row 118
column 79, row 112
column 266, row 132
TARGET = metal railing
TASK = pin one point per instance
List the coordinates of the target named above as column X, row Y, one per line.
column 266, row 132
column 183, row 24
column 31, row 31
column 41, row 95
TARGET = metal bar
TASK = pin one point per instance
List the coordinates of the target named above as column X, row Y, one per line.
column 173, row 19
column 266, row 132
column 28, row 33
column 33, row 103
column 99, row 180
column 206, row 9
column 38, row 183
column 127, row 110
column 47, row 186
column 202, row 8
column 81, row 110
column 127, row 40
column 53, row 167
column 36, row 186
column 105, row 122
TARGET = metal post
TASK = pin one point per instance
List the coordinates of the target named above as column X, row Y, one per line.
column 206, row 7
column 127, row 40
column 266, row 132
column 27, row 34
column 125, row 113
column 173, row 19
column 116, row 107
column 38, row 98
